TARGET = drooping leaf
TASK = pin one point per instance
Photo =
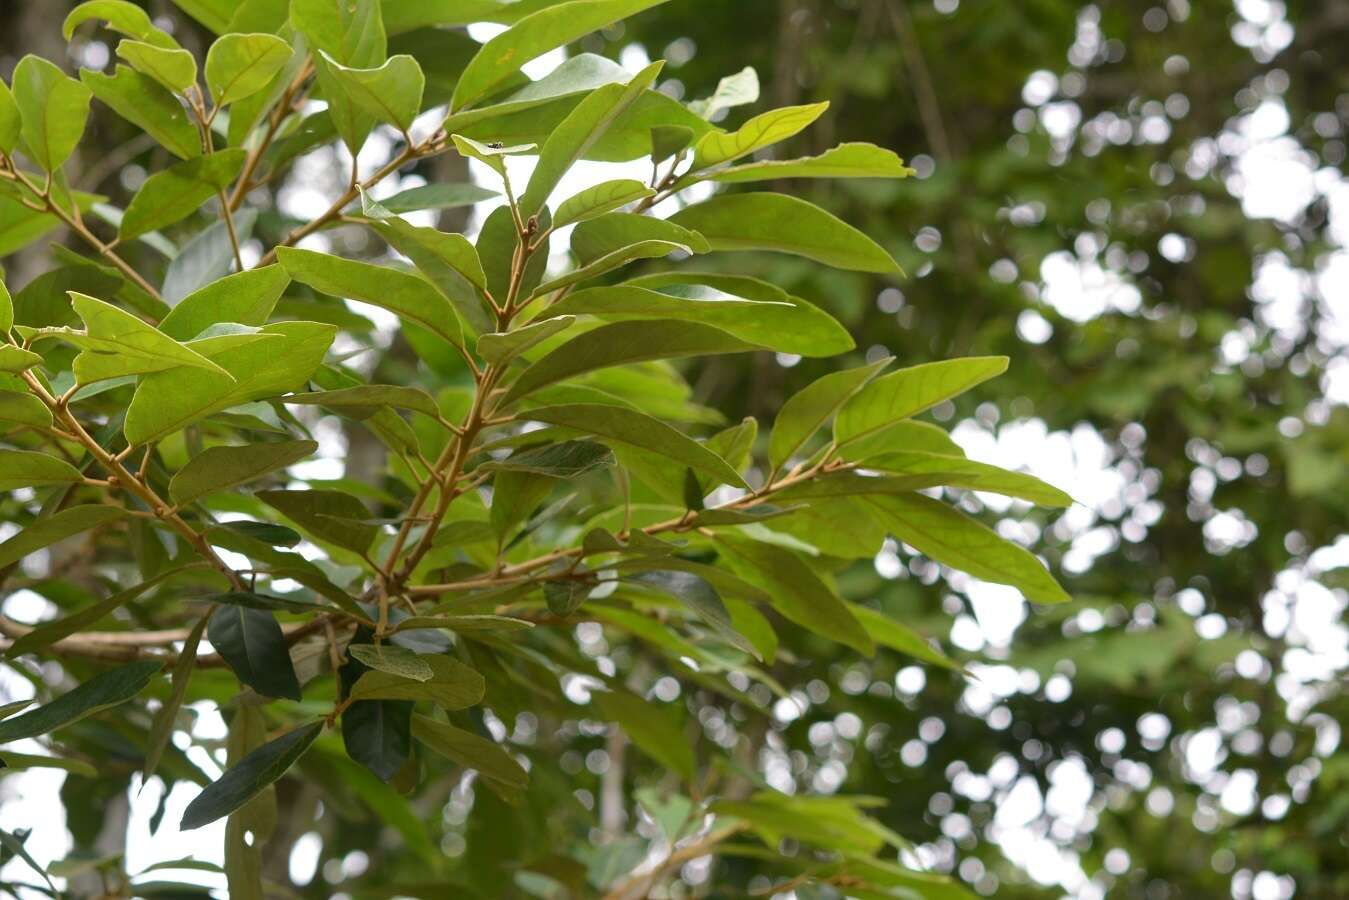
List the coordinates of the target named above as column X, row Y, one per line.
column 886, row 632
column 175, row 193
column 452, row 684
column 148, row 105
column 56, row 527
column 116, row 343
column 98, row 693
column 533, row 36
column 796, row 591
column 219, row 468
column 391, row 660
column 807, row 411
column 405, row 295
column 972, row 476
column 655, row 728
column 30, row 468
column 632, row 428
column 907, row 392
column 602, row 198
column 54, row 110
column 620, row 344
column 784, row 224
column 700, row 596
column 240, row 65
column 254, row 646
column 250, row 775
column 497, row 767
column 765, row 129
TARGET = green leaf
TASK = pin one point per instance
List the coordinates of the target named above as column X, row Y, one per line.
column 104, row 690
column 886, row 632
column 783, row 326
column 452, row 685
column 971, row 476
column 240, row 65
column 611, row 232
column 617, row 259
column 734, row 90
column 352, row 33
column 167, row 401
column 515, row 496
column 620, row 344
column 116, row 343
column 568, row 459
column 797, row 592
column 566, row 597
column 700, row 596
column 162, row 725
column 902, row 436
column 406, row 295
column 765, row 129
column 448, row 261
column 14, row 844
column 16, row 359
column 490, row 155
column 252, row 643
column 219, row 468
column 23, row 409
column 54, row 109
column 247, row 298
column 28, row 468
column 11, row 122
column 954, row 539
column 578, row 132
column 501, row 347
column 391, row 93
column 175, row 193
column 122, row 17
column 533, row 36
column 667, row 140
column 437, row 196
column 807, row 411
column 18, row 762
column 327, row 515
column 600, row 199
column 56, row 527
column 907, row 392
column 207, row 257
column 851, row 160
column 392, row 660
column 635, row 429
column 143, row 102
column 656, row 728
column 175, row 68
column 497, row 767
column 786, row 225
column 248, row 777
column 371, row 396
column 496, row 247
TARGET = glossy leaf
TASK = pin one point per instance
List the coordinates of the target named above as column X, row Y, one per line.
column 252, row 643
column 104, row 690
column 602, row 198
column 240, row 65
column 249, row 776
column 851, row 160
column 391, row 93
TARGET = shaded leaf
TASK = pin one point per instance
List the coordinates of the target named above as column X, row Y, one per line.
column 29, row 468
column 98, row 693
column 254, row 646
column 497, row 767
column 56, row 527
column 452, row 685
column 654, row 727
column 391, row 660
column 175, row 193
column 218, row 468
column 252, row 774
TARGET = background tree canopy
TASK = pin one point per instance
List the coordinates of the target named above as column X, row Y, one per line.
column 1141, row 206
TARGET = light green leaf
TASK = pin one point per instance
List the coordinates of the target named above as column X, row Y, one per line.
column 117, row 343
column 734, row 90
column 954, row 539
column 240, row 65
column 252, row 643
column 23, row 409
column 175, row 68
column 449, row 261
column 352, row 33
column 657, row 728
column 436, row 196
column 577, row 133
column 219, row 468
column 11, row 123
column 122, row 17
column 391, row 93
column 497, row 767
column 452, row 685
column 371, row 396
column 406, row 295
column 167, row 401
column 56, row 527
column 98, row 693
column 611, row 232
column 851, row 160
column 620, row 344
column 54, row 110
column 600, row 199
column 6, row 309
column 28, row 468
column 247, row 298
column 786, row 225
column 490, row 155
column 533, row 36
column 501, row 347
column 392, row 660
column 636, row 429
column 611, row 261
column 143, row 102
column 908, row 392
column 248, row 777
column 807, row 411
column 797, row 592
column 173, row 194
column 16, row 359
column 971, row 476
column 765, row 129
column 886, row 632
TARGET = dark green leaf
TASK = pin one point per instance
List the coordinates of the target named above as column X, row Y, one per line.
column 565, row 460
column 907, row 392
column 218, row 468
column 654, row 727
column 327, row 515
column 252, row 643
column 178, row 191
column 391, row 660
column 56, row 527
column 254, row 772
column 452, row 685
column 98, row 693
